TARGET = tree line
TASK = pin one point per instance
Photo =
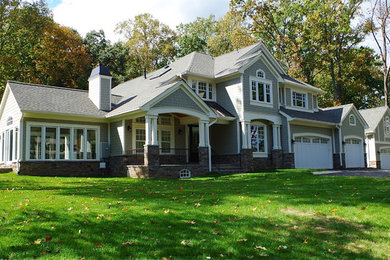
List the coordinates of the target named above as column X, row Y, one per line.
column 316, row 41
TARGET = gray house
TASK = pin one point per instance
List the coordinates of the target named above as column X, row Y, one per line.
column 236, row 112
column 377, row 137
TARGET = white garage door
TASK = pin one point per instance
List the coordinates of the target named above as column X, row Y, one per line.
column 385, row 159
column 354, row 156
column 313, row 153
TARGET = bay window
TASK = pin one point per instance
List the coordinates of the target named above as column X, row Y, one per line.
column 62, row 143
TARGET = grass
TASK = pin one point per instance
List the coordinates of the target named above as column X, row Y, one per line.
column 282, row 214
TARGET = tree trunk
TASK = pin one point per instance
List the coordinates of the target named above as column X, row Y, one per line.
column 336, row 90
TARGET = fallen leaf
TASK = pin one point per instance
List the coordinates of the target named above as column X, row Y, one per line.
column 37, row 242
column 70, row 208
column 362, row 208
column 331, row 251
column 180, row 188
column 128, row 243
column 261, row 247
column 48, row 238
column 98, row 244
column 192, row 222
column 242, row 240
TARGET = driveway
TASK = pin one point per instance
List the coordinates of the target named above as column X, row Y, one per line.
column 374, row 173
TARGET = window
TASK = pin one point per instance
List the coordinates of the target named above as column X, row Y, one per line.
column 35, row 143
column 140, row 137
column 165, row 141
column 258, row 138
column 140, row 120
column 299, row 99
column 260, row 74
column 203, row 89
column 315, row 102
column 63, row 143
column 352, row 120
column 50, row 143
column 387, row 126
column 261, row 92
column 165, row 120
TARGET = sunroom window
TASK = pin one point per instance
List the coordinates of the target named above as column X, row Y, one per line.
column 63, row 143
column 299, row 99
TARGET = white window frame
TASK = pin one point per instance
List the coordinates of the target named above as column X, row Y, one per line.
column 258, row 72
column 300, row 93
column 352, row 120
column 386, row 125
column 255, row 100
column 315, row 102
column 265, row 153
column 72, row 127
column 160, row 128
column 209, row 89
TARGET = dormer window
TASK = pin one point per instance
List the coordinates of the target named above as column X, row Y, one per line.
column 203, row 89
column 387, row 126
column 352, row 120
column 299, row 99
column 260, row 74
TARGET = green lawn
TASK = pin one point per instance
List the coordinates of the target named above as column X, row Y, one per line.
column 283, row 214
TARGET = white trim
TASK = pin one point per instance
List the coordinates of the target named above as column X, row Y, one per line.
column 352, row 137
column 289, row 136
column 306, row 107
column 265, row 82
column 381, row 142
column 249, row 116
column 258, row 154
column 238, row 136
column 165, row 110
column 383, row 148
column 257, row 74
column 308, row 134
column 354, row 120
column 208, row 83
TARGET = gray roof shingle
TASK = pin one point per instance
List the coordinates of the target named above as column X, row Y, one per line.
column 48, row 99
column 373, row 116
column 332, row 116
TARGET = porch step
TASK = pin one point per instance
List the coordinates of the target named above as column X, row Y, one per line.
column 227, row 168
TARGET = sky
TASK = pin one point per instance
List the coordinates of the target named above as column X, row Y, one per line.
column 87, row 15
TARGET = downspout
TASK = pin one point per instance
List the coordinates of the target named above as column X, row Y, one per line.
column 340, row 146
column 208, row 142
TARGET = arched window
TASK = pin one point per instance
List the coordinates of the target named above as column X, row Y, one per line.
column 352, row 120
column 260, row 74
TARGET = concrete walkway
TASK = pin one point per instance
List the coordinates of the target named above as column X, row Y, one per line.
column 374, row 173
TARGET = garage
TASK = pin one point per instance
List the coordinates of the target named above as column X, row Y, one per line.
column 313, row 153
column 385, row 158
column 354, row 156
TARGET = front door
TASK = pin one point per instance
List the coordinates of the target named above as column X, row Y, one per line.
column 193, row 143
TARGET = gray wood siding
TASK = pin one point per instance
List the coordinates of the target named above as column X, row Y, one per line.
column 251, row 71
column 357, row 130
column 223, row 138
column 179, row 99
column 115, row 138
column 310, row 101
column 288, row 97
column 284, row 135
column 229, row 95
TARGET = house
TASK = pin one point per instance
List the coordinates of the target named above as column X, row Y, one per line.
column 239, row 112
column 377, row 137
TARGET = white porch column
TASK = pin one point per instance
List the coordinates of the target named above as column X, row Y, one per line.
column 154, row 130
column 279, row 138
column 148, row 130
column 246, row 134
column 276, row 136
column 202, row 127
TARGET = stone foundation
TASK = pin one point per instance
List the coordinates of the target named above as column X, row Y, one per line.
column 151, row 155
column 62, row 168
column 262, row 163
column 164, row 171
column 277, row 159
column 233, row 159
column 247, row 160
column 203, row 156
column 336, row 161
column 375, row 164
column 288, row 161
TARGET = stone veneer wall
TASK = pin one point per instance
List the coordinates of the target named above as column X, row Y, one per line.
column 336, row 161
column 166, row 171
column 288, row 161
column 233, row 159
column 62, row 168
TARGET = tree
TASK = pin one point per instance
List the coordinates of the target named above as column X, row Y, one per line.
column 231, row 33
column 194, row 36
column 378, row 26
column 61, row 58
column 151, row 43
column 114, row 56
column 310, row 37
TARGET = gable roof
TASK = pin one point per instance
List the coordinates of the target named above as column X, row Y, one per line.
column 49, row 99
column 373, row 116
column 346, row 109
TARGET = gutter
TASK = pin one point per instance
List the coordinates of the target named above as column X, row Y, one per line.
column 208, row 142
column 340, row 145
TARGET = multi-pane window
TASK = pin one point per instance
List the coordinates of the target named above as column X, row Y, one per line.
column 165, row 120
column 258, row 138
column 260, row 74
column 315, row 102
column 203, row 89
column 261, row 91
column 165, row 141
column 387, row 126
column 299, row 99
column 64, row 143
column 140, row 137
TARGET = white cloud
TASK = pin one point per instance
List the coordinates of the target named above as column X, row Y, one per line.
column 87, row 15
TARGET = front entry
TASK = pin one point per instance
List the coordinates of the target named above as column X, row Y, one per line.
column 193, row 143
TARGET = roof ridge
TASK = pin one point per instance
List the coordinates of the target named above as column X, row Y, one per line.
column 46, row 86
column 236, row 50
